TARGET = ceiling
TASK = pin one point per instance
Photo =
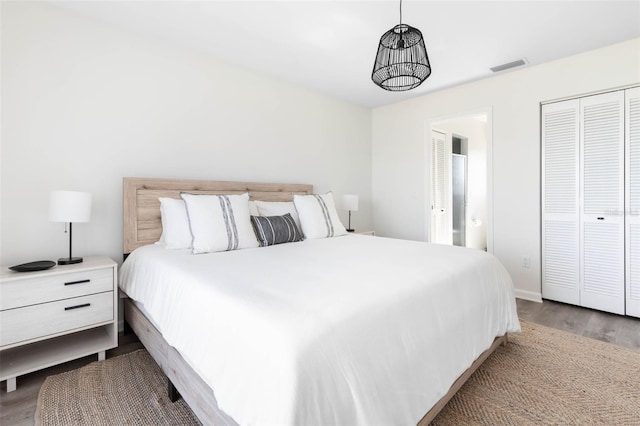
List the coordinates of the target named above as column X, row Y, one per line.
column 329, row 46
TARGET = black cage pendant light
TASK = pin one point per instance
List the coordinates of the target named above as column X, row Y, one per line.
column 402, row 62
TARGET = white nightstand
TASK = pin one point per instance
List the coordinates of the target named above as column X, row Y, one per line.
column 372, row 233
column 56, row 315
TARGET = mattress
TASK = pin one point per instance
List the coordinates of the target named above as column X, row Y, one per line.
column 347, row 330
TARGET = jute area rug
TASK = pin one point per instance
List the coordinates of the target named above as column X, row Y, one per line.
column 542, row 377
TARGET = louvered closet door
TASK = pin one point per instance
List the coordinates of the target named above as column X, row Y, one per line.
column 602, row 216
column 560, row 214
column 632, row 200
column 441, row 220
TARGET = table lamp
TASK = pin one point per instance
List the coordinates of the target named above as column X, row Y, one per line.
column 69, row 206
column 350, row 203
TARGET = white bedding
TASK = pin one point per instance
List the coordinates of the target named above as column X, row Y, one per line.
column 347, row 330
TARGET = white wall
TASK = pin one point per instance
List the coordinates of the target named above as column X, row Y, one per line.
column 85, row 104
column 398, row 172
column 475, row 132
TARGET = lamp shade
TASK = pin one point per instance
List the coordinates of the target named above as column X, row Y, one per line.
column 69, row 206
column 402, row 62
column 350, row 202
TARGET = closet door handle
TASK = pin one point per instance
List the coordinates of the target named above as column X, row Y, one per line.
column 601, row 218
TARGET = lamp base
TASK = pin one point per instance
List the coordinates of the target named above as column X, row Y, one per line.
column 69, row 260
column 350, row 230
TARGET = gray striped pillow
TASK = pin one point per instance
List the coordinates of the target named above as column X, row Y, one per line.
column 318, row 216
column 272, row 230
column 219, row 222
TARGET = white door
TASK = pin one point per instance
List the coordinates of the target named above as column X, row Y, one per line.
column 602, row 215
column 441, row 226
column 632, row 185
column 560, row 202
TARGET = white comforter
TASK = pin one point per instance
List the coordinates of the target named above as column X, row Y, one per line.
column 339, row 331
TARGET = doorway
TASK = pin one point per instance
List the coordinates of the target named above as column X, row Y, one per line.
column 459, row 181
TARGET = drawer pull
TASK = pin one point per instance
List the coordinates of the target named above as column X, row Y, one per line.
column 77, row 282
column 84, row 305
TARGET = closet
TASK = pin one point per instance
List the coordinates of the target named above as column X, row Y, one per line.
column 441, row 189
column 591, row 201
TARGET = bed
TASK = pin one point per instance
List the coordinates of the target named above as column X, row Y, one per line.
column 341, row 330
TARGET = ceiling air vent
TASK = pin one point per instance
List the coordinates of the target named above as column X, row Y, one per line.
column 508, row 65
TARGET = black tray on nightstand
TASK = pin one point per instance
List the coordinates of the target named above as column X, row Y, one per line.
column 38, row 265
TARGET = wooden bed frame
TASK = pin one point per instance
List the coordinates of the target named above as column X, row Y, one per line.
column 142, row 226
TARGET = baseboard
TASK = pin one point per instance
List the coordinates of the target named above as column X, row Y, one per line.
column 528, row 295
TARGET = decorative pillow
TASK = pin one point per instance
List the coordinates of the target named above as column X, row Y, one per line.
column 272, row 230
column 175, row 224
column 318, row 216
column 219, row 222
column 278, row 208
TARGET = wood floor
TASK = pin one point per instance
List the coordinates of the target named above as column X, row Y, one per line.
column 18, row 407
column 616, row 329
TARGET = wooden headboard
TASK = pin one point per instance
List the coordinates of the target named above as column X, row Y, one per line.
column 141, row 208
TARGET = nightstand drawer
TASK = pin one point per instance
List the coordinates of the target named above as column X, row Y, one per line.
column 46, row 319
column 52, row 287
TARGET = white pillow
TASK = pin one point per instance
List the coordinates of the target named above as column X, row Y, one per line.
column 219, row 222
column 278, row 208
column 318, row 216
column 253, row 209
column 175, row 224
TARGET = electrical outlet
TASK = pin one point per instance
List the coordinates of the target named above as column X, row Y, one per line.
column 526, row 262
